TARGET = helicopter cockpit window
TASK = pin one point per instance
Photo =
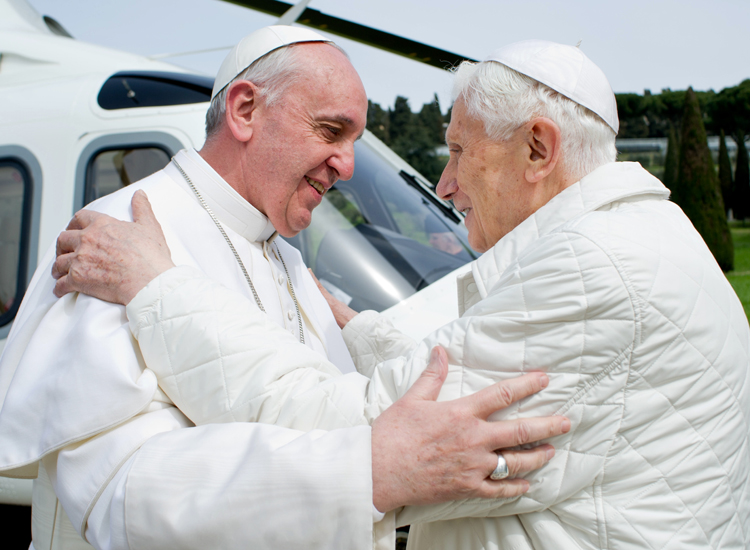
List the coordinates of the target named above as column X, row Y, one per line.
column 375, row 240
column 128, row 90
column 114, row 169
column 15, row 190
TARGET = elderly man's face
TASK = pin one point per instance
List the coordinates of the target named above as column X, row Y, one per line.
column 306, row 140
column 485, row 179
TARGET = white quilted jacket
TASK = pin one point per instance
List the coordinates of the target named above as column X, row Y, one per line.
column 608, row 288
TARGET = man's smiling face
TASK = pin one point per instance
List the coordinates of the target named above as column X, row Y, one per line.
column 305, row 141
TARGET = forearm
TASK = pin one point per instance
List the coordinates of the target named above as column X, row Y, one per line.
column 220, row 359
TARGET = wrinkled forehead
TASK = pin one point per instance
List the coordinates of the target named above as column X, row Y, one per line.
column 463, row 124
column 329, row 77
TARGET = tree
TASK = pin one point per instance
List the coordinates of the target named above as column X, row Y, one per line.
column 378, row 122
column 431, row 117
column 697, row 190
column 730, row 111
column 741, row 198
column 672, row 161
column 414, row 142
column 631, row 109
column 725, row 174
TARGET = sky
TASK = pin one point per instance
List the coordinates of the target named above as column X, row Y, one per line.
column 639, row 44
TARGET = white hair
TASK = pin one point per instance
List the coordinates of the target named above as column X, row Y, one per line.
column 504, row 100
column 273, row 74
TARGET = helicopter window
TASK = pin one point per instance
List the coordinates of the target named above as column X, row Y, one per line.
column 128, row 90
column 114, row 169
column 15, row 200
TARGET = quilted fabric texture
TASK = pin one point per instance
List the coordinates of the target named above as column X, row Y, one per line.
column 611, row 290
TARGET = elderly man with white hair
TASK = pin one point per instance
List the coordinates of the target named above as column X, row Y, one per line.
column 588, row 272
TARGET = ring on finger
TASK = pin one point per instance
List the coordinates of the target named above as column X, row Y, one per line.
column 501, row 470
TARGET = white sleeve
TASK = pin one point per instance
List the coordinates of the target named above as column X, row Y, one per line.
column 227, row 486
column 372, row 339
column 220, row 359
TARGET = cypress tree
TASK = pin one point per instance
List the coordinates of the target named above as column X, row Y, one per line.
column 672, row 160
column 741, row 198
column 431, row 117
column 412, row 142
column 725, row 173
column 378, row 121
column 697, row 191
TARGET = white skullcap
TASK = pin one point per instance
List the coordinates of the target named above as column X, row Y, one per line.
column 565, row 69
column 256, row 45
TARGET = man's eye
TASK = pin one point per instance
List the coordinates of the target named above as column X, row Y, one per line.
column 333, row 130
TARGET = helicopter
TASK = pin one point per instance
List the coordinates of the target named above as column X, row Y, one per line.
column 79, row 121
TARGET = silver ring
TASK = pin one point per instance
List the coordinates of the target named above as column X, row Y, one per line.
column 501, row 471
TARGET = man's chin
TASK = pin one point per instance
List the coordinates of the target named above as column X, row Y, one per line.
column 290, row 230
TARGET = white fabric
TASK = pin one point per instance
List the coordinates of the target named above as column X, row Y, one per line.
column 77, row 395
column 256, row 45
column 609, row 289
column 565, row 69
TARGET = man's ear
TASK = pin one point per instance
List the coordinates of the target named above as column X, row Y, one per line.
column 544, row 141
column 241, row 109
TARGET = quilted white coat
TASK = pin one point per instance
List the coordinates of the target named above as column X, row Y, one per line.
column 608, row 288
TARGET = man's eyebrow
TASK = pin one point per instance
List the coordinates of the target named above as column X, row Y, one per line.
column 341, row 120
column 346, row 121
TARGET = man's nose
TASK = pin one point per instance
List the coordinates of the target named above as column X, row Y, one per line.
column 447, row 185
column 343, row 161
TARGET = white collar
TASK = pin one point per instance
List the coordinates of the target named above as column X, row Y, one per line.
column 226, row 203
column 612, row 182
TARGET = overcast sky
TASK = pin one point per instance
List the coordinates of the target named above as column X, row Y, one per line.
column 639, row 44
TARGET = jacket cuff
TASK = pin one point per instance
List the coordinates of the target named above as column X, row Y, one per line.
column 143, row 309
column 357, row 337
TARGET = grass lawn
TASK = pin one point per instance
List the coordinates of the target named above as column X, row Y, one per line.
column 740, row 277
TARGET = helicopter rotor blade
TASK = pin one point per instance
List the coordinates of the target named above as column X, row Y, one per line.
column 393, row 43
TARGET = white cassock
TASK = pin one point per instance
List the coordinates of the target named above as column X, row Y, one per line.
column 81, row 409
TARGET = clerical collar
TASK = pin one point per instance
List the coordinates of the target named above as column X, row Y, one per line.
column 228, row 205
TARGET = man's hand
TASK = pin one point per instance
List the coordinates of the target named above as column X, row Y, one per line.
column 426, row 452
column 110, row 259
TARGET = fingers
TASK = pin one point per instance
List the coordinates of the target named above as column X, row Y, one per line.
column 510, row 433
column 427, row 386
column 63, row 286
column 62, row 265
column 519, row 462
column 501, row 395
column 67, row 241
column 142, row 211
column 83, row 218
column 522, row 461
column 505, row 488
